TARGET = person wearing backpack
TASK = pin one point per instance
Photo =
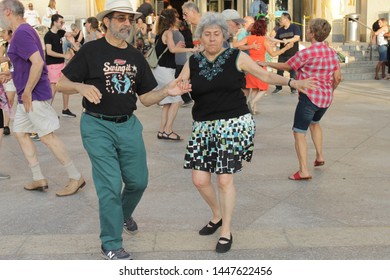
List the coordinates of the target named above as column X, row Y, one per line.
column 165, row 70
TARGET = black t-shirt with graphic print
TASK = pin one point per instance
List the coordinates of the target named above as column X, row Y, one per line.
column 119, row 74
column 55, row 40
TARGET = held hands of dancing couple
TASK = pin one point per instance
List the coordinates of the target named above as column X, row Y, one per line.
column 301, row 85
column 176, row 87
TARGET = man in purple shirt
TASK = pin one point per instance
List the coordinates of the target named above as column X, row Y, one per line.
column 34, row 112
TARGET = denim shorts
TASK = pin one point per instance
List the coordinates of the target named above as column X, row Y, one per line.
column 382, row 49
column 306, row 113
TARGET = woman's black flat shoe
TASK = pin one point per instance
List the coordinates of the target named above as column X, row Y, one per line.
column 210, row 228
column 224, row 247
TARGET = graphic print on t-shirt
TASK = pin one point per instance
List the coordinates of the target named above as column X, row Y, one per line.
column 119, row 76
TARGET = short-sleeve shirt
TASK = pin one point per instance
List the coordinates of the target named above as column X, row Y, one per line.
column 290, row 32
column 217, row 86
column 180, row 58
column 318, row 61
column 25, row 42
column 55, row 40
column 119, row 74
column 31, row 17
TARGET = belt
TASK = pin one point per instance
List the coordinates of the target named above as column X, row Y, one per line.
column 115, row 119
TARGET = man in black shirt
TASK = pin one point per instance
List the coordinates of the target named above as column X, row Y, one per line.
column 110, row 74
column 55, row 58
column 289, row 33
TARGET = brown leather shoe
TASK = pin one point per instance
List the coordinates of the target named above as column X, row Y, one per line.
column 38, row 185
column 72, row 187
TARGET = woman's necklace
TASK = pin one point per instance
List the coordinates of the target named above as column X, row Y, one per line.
column 211, row 68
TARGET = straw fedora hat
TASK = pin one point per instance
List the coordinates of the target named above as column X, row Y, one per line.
column 123, row 6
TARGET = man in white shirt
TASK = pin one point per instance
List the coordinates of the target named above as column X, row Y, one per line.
column 32, row 16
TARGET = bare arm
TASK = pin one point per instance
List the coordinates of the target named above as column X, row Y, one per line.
column 81, row 36
column 174, row 88
column 90, row 92
column 294, row 39
column 383, row 28
column 336, row 78
column 52, row 53
column 247, row 64
column 171, row 44
column 272, row 52
column 37, row 64
column 274, row 40
column 5, row 77
column 279, row 66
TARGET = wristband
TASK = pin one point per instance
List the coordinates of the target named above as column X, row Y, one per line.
column 289, row 82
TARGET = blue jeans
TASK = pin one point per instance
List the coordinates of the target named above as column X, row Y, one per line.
column 306, row 113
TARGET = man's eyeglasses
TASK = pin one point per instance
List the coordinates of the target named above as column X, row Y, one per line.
column 124, row 18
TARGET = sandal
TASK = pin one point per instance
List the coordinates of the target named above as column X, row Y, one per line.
column 160, row 135
column 167, row 136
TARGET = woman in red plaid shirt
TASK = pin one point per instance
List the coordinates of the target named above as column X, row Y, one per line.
column 321, row 62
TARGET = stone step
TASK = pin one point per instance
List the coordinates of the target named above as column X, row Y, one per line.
column 359, row 63
column 358, row 76
column 358, row 70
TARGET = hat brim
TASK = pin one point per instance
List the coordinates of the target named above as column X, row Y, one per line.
column 126, row 10
column 239, row 20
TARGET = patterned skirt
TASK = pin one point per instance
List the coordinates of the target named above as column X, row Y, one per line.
column 219, row 146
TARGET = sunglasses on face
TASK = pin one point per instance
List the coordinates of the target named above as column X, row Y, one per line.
column 124, row 18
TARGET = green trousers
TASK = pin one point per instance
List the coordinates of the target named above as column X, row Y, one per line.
column 119, row 172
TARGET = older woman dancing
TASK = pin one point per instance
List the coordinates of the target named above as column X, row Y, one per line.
column 223, row 129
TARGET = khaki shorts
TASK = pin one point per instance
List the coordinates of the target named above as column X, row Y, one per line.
column 54, row 72
column 9, row 86
column 43, row 119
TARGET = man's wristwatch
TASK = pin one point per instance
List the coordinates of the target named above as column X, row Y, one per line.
column 289, row 82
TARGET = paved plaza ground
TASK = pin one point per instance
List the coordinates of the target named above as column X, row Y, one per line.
column 342, row 213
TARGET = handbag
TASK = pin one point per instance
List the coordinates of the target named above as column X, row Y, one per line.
column 151, row 56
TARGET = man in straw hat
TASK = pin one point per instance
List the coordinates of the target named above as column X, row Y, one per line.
column 34, row 112
column 109, row 73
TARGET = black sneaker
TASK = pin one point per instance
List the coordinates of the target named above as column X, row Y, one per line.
column 276, row 90
column 119, row 254
column 188, row 103
column 67, row 113
column 6, row 130
column 35, row 137
column 130, row 226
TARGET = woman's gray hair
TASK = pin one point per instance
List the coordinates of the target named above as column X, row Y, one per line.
column 16, row 7
column 211, row 19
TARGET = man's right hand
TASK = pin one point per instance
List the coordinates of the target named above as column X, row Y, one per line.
column 27, row 101
column 90, row 92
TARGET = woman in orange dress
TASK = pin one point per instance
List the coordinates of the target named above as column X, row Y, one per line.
column 265, row 44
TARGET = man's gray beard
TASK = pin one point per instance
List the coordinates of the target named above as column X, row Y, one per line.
column 122, row 35
column 4, row 24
